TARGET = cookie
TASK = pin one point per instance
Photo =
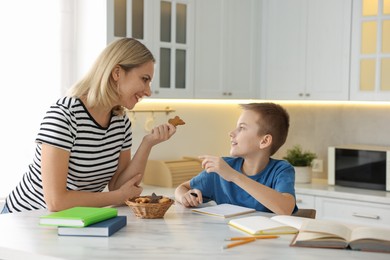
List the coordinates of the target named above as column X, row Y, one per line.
column 163, row 200
column 151, row 199
column 176, row 121
column 142, row 200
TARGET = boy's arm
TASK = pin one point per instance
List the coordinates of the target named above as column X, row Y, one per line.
column 277, row 202
column 184, row 196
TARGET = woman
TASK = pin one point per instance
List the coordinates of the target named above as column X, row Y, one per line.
column 84, row 141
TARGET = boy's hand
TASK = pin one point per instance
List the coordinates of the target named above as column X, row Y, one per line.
column 218, row 165
column 192, row 198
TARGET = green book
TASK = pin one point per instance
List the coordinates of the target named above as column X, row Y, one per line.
column 78, row 216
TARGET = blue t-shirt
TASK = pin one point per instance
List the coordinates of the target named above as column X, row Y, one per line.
column 278, row 175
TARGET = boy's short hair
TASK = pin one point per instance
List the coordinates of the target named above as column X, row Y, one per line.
column 274, row 120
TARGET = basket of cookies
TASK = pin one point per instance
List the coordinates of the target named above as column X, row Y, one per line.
column 150, row 206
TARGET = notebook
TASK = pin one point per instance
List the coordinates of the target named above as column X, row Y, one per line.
column 224, row 210
column 259, row 225
column 78, row 216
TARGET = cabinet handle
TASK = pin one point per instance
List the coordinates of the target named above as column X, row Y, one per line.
column 156, row 92
column 300, row 94
column 307, row 94
column 299, row 201
column 358, row 215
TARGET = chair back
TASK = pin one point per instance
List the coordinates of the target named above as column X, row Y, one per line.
column 305, row 213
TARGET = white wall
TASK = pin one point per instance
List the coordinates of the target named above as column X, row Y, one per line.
column 29, row 72
column 90, row 34
column 38, row 63
column 315, row 126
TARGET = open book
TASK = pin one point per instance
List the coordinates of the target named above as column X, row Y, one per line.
column 331, row 234
column 224, row 210
column 258, row 225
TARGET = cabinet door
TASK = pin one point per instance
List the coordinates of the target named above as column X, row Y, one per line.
column 174, row 44
column 304, row 201
column 328, row 49
column 208, row 48
column 284, row 45
column 370, row 63
column 240, row 49
column 306, row 50
column 167, row 29
column 226, row 32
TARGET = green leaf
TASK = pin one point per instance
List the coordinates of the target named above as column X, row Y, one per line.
column 297, row 157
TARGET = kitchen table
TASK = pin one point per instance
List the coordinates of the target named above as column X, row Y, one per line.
column 181, row 234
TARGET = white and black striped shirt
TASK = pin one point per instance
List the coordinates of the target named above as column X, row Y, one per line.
column 94, row 152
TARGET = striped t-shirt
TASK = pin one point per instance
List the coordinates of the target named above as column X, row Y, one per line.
column 94, row 152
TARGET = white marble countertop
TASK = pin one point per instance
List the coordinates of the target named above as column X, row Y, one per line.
column 320, row 187
column 181, row 234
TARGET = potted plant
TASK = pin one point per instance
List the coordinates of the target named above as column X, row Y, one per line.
column 301, row 160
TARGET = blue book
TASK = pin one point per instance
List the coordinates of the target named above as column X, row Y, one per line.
column 104, row 228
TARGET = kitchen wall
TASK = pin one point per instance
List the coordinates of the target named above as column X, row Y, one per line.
column 313, row 125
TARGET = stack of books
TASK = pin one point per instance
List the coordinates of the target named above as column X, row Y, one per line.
column 85, row 221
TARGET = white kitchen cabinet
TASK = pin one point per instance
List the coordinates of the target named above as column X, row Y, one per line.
column 306, row 49
column 305, row 201
column 226, row 49
column 350, row 211
column 345, row 204
column 167, row 29
column 370, row 61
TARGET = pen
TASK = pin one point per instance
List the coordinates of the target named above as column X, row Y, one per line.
column 194, row 194
column 242, row 242
column 255, row 237
column 205, row 199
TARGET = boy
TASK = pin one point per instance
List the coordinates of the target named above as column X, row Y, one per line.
column 250, row 177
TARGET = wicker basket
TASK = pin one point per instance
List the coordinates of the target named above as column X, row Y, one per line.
column 149, row 210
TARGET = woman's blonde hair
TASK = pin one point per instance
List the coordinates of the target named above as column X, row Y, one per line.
column 98, row 86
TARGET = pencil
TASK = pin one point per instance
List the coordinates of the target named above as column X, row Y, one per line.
column 242, row 242
column 255, row 237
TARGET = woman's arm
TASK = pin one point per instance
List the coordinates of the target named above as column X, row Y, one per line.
column 128, row 168
column 123, row 185
column 54, row 170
